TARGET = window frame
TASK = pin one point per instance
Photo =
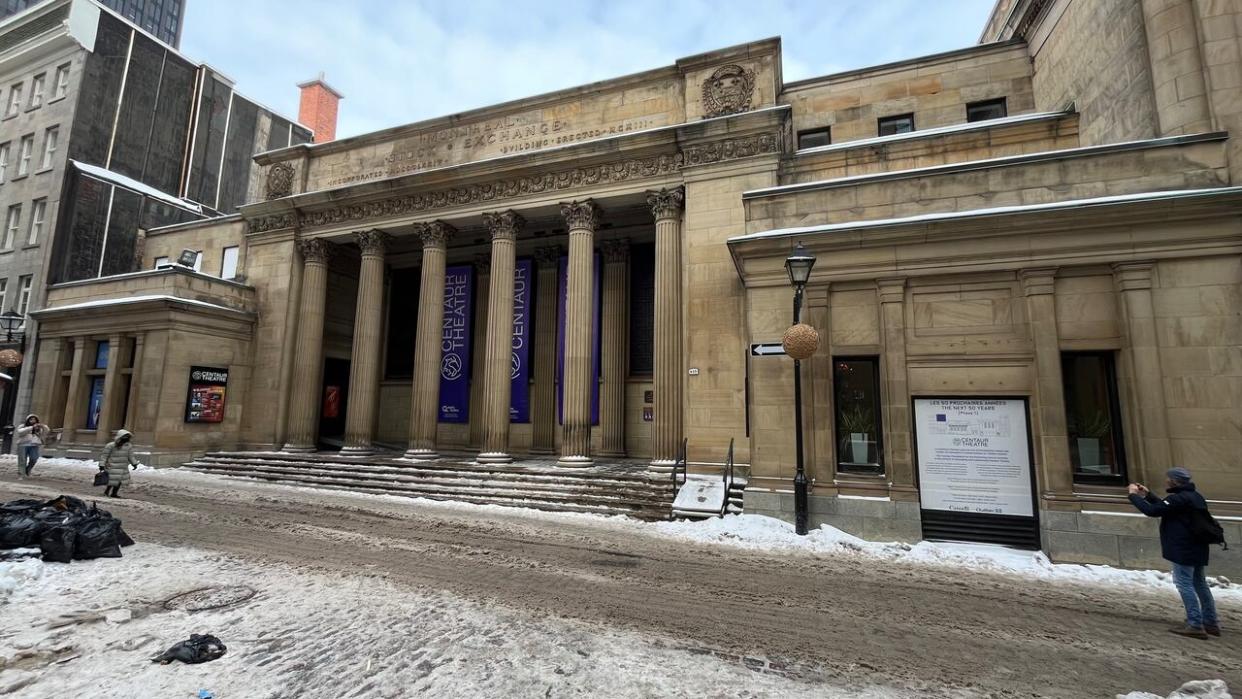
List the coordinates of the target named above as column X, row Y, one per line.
column 38, row 216
column 224, row 260
column 4, row 292
column 161, row 262
column 12, row 224
column 1120, row 478
column 51, row 137
column 14, row 105
column 892, row 118
column 61, row 87
column 36, row 91
column 1003, row 102
column 4, row 159
column 825, row 130
column 25, row 285
column 877, row 387
column 25, row 153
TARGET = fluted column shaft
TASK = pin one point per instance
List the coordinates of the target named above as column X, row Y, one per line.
column 543, row 399
column 498, row 369
column 581, row 219
column 308, row 360
column 615, row 346
column 425, row 394
column 364, row 366
column 666, row 427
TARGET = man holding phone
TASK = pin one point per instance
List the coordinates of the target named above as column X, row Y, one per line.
column 1183, row 548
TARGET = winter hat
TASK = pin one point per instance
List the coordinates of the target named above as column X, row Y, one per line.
column 1178, row 475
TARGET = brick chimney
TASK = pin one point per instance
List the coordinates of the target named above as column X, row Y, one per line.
column 318, row 108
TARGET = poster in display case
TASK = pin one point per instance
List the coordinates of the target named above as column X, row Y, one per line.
column 205, row 397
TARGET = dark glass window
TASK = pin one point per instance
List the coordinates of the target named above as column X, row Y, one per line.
column 642, row 309
column 402, row 322
column 856, row 389
column 988, row 109
column 813, row 138
column 1093, row 417
column 101, row 354
column 901, row 123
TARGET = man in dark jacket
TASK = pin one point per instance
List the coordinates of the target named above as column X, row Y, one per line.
column 1180, row 547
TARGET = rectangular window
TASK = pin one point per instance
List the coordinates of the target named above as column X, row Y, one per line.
column 813, row 138
column 12, row 222
column 101, row 354
column 23, row 161
column 36, row 91
column 23, row 296
column 987, row 109
column 15, row 100
column 38, row 212
column 198, row 262
column 4, row 160
column 228, row 268
column 61, row 88
column 4, row 292
column 94, row 404
column 892, row 125
column 856, row 388
column 1093, row 417
column 161, row 262
column 50, row 137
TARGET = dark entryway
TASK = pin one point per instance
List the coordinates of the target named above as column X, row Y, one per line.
column 333, row 398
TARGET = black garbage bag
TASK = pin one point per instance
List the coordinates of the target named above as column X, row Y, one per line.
column 68, row 503
column 199, row 649
column 121, row 537
column 57, row 544
column 20, row 505
column 97, row 539
column 20, row 530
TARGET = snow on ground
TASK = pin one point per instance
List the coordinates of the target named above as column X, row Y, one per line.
column 1201, row 689
column 754, row 532
column 310, row 635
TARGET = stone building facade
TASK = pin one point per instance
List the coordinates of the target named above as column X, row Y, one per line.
column 1027, row 288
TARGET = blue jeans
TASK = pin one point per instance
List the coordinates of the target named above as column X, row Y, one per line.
column 27, row 455
column 1191, row 582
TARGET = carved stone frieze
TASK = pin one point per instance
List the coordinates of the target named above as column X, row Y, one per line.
column 576, row 178
column 316, row 250
column 504, row 224
column 280, row 180
column 581, row 215
column 373, row 242
column 728, row 91
column 667, row 203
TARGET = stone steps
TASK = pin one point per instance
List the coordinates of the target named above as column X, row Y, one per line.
column 547, row 488
column 734, row 499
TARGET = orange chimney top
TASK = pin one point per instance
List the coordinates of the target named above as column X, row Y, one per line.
column 318, row 108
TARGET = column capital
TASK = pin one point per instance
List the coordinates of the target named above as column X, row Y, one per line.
column 581, row 215
column 615, row 249
column 435, row 233
column 316, row 251
column 548, row 255
column 1133, row 276
column 891, row 290
column 1038, row 281
column 666, row 203
column 373, row 242
column 483, row 262
column 504, row 224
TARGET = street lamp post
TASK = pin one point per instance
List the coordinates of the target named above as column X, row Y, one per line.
column 10, row 320
column 799, row 264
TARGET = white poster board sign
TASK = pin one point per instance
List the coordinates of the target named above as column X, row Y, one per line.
column 973, row 455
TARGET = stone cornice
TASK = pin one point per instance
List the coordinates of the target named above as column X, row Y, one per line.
column 632, row 169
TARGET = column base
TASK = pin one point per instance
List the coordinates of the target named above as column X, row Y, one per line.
column 420, row 454
column 661, row 465
column 494, row 457
column 611, row 454
column 357, row 450
column 575, row 461
column 299, row 448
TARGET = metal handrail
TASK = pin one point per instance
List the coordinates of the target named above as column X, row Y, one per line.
column 727, row 477
column 680, row 463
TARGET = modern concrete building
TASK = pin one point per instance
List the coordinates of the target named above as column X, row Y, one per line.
column 1027, row 288
column 162, row 19
column 106, row 132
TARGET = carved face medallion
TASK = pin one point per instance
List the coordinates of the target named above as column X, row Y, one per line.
column 728, row 91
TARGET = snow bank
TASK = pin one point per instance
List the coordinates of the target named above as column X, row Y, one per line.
column 1200, row 689
column 16, row 574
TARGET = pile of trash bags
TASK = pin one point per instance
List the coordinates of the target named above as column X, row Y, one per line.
column 64, row 529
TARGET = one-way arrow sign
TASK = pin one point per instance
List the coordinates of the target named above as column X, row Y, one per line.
column 766, row 349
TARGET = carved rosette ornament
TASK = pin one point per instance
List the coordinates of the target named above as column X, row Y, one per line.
column 615, row 249
column 728, row 91
column 316, row 251
column 373, row 242
column 667, row 203
column 581, row 215
column 504, row 224
column 483, row 262
column 435, row 233
column 548, row 255
column 280, row 180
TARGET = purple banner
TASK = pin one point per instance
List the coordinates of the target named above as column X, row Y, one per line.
column 563, row 295
column 455, row 345
column 519, row 393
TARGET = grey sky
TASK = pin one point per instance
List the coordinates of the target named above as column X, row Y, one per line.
column 400, row 61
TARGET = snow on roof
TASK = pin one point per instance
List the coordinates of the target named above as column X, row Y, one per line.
column 975, row 213
column 938, row 131
column 136, row 186
column 103, row 303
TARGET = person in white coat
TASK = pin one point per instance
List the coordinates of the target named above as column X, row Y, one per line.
column 30, row 435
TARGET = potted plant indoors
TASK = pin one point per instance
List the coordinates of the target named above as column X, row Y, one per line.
column 856, row 425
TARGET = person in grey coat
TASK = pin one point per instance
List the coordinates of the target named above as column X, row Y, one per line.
column 116, row 459
column 30, row 436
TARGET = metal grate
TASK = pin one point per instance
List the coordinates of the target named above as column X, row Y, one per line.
column 1022, row 532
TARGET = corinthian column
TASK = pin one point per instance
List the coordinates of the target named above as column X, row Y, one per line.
column 498, row 369
column 543, row 400
column 666, row 427
column 308, row 360
column 364, row 366
column 615, row 345
column 425, row 395
column 581, row 219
